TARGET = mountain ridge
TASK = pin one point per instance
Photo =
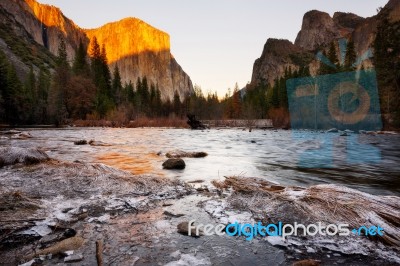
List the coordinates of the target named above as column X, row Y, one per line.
column 318, row 30
column 130, row 51
column 375, row 36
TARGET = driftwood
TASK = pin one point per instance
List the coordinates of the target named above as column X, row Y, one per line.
column 99, row 252
column 194, row 123
column 71, row 243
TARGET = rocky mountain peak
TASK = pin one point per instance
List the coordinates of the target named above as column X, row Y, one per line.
column 347, row 20
column 317, row 29
column 276, row 57
column 128, row 37
column 394, row 7
column 49, row 15
column 279, row 46
column 141, row 50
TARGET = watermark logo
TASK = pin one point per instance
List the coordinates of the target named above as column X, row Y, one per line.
column 250, row 231
column 345, row 101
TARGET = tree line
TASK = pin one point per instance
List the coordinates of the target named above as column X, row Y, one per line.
column 86, row 89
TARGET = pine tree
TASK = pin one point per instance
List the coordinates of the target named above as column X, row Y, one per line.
column 153, row 103
column 350, row 57
column 177, row 104
column 236, row 102
column 332, row 55
column 145, row 96
column 43, row 88
column 30, row 95
column 59, row 109
column 102, row 78
column 323, row 68
column 158, row 102
column 106, row 73
column 138, row 95
column 275, row 94
column 283, row 99
column 94, row 52
column 117, row 86
column 96, row 61
column 13, row 97
column 80, row 65
column 130, row 92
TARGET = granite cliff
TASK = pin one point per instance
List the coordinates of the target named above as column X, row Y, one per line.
column 318, row 30
column 140, row 50
column 137, row 48
column 277, row 55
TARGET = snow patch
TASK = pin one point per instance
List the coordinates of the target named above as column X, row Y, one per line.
column 190, row 260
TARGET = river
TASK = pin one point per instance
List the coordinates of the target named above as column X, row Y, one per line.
column 369, row 163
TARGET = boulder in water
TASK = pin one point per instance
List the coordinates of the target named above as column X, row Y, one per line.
column 174, row 164
column 14, row 155
column 182, row 154
column 81, row 142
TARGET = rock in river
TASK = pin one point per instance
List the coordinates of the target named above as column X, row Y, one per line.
column 174, row 164
column 81, row 142
column 181, row 154
column 14, row 155
column 183, row 228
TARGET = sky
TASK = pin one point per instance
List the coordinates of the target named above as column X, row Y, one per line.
column 215, row 41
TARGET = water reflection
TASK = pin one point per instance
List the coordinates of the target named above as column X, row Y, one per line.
column 274, row 155
column 139, row 164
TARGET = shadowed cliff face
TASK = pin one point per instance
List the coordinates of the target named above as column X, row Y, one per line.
column 318, row 30
column 137, row 48
column 274, row 60
column 45, row 24
column 394, row 6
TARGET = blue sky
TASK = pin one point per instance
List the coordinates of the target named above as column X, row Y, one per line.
column 215, row 41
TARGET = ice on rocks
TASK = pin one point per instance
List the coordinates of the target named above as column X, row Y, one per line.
column 191, row 260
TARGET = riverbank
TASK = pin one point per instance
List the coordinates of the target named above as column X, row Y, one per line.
column 137, row 123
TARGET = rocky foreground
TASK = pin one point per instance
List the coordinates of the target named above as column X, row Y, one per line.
column 55, row 212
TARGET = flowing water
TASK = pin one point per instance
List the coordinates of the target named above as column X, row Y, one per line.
column 369, row 163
